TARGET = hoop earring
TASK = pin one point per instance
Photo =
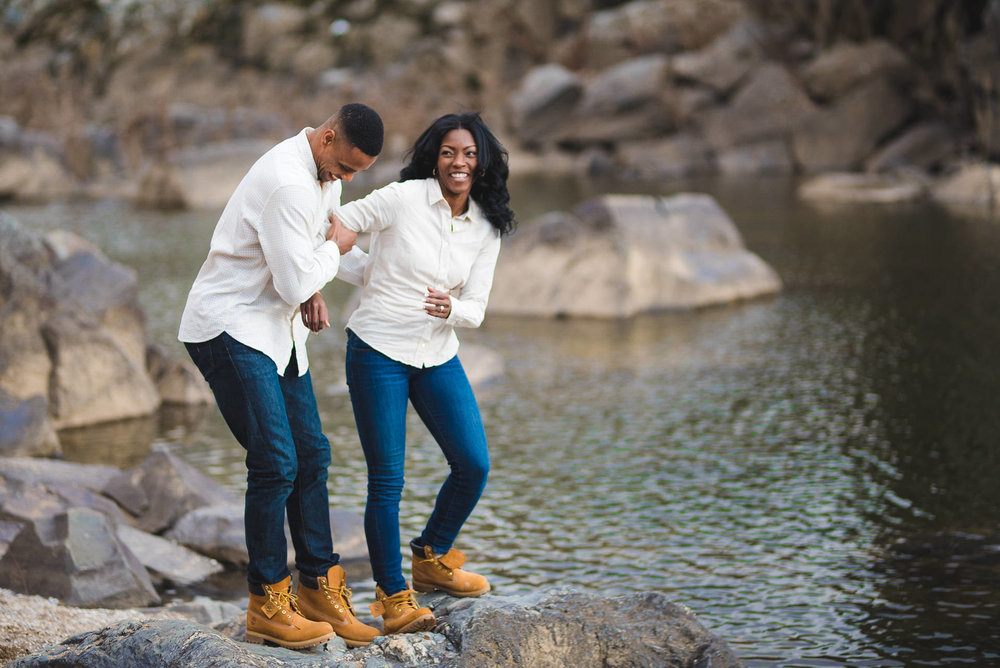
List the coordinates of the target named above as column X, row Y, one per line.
column 434, row 171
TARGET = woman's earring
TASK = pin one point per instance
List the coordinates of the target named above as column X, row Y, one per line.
column 434, row 171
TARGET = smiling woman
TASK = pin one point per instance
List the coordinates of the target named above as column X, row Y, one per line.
column 435, row 240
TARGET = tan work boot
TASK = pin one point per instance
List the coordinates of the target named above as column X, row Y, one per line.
column 400, row 612
column 275, row 617
column 331, row 603
column 443, row 573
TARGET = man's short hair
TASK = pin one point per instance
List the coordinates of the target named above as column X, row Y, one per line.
column 363, row 127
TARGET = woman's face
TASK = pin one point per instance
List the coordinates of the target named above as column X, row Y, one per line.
column 457, row 163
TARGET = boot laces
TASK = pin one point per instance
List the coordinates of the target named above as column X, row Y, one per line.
column 343, row 593
column 403, row 599
column 284, row 599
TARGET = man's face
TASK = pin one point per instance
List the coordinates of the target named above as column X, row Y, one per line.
column 337, row 159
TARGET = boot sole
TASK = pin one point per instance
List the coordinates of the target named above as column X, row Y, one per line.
column 426, row 587
column 424, row 623
column 260, row 639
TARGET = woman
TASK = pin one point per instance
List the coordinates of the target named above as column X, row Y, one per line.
column 434, row 245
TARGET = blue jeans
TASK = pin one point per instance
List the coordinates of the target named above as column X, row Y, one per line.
column 274, row 418
column 442, row 397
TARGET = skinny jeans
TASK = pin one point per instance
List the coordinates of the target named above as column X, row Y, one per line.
column 380, row 388
column 274, row 417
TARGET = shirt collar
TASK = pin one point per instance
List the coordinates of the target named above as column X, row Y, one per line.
column 435, row 195
column 305, row 152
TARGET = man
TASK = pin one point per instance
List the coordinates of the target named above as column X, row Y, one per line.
column 273, row 248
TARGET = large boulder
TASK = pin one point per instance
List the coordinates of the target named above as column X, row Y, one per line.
column 78, row 559
column 769, row 105
column 547, row 96
column 167, row 562
column 724, row 63
column 843, row 136
column 74, row 332
column 847, row 64
column 620, row 255
column 163, row 489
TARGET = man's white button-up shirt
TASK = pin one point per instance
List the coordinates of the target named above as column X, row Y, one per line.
column 269, row 254
column 416, row 243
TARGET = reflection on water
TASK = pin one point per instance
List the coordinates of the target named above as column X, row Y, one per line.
column 813, row 473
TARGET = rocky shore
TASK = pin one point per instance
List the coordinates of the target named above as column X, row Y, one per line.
column 167, row 105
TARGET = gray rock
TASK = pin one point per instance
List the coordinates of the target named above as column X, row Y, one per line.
column 73, row 329
column 559, row 628
column 844, row 136
column 847, row 64
column 177, row 380
column 58, row 474
column 971, row 189
column 572, row 628
column 925, row 146
column 206, row 611
column 624, row 254
column 163, row 489
column 79, row 560
column 854, row 187
column 676, row 157
column 768, row 106
column 165, row 560
column 28, row 496
column 725, row 62
column 547, row 96
column 215, row 530
column 25, row 427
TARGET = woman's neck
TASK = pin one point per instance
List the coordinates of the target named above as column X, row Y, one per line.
column 459, row 203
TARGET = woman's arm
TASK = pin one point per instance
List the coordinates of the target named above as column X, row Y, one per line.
column 375, row 211
column 470, row 310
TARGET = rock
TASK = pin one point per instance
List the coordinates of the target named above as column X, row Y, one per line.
column 166, row 561
column 853, row 187
column 208, row 174
column 265, row 25
column 25, row 427
column 216, row 531
column 972, row 189
column 770, row 105
column 80, row 561
column 35, row 178
column 656, row 26
column 547, row 96
column 619, row 255
column 163, row 489
column 219, row 532
column 676, row 157
column 568, row 627
column 557, row 628
column 206, row 611
column 847, row 64
column 73, row 329
column 29, row 495
column 177, row 380
column 925, row 146
column 725, row 62
column 766, row 157
column 58, row 474
column 842, row 137
column 159, row 188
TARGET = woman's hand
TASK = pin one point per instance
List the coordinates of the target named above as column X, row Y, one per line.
column 340, row 235
column 438, row 303
column 314, row 313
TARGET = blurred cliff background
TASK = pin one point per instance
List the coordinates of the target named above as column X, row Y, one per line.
column 168, row 102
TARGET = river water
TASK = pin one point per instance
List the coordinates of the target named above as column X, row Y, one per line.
column 814, row 473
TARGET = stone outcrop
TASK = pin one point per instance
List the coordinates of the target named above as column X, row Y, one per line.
column 556, row 628
column 852, row 187
column 620, row 255
column 73, row 350
column 163, row 489
column 77, row 558
column 971, row 189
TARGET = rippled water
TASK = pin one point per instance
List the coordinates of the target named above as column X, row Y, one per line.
column 814, row 474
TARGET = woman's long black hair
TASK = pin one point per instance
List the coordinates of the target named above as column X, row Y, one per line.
column 489, row 190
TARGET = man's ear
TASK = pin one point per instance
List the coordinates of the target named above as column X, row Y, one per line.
column 329, row 136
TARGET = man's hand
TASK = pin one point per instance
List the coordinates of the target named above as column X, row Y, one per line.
column 343, row 237
column 314, row 313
